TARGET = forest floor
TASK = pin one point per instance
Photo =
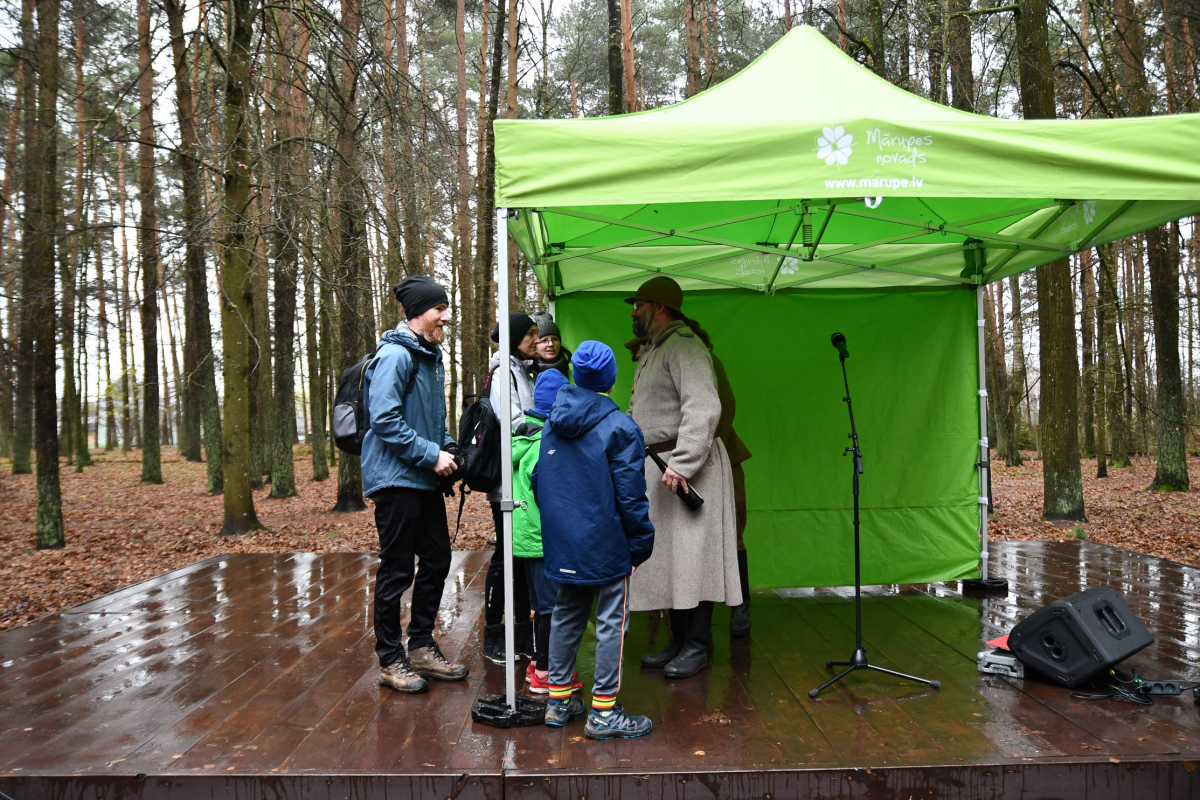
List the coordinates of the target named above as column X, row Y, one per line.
column 120, row 531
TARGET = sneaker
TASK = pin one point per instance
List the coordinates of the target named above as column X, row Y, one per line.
column 539, row 681
column 523, row 639
column 617, row 725
column 399, row 675
column 428, row 662
column 493, row 644
column 559, row 713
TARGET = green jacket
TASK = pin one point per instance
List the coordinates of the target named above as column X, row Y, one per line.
column 527, row 520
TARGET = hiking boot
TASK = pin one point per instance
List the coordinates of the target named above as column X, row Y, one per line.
column 616, row 724
column 523, row 639
column 539, row 680
column 739, row 620
column 428, row 662
column 560, row 712
column 493, row 644
column 658, row 660
column 399, row 675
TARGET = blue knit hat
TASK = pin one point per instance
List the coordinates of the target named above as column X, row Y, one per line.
column 595, row 366
column 546, row 390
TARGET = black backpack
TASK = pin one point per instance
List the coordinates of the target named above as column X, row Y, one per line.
column 350, row 419
column 479, row 442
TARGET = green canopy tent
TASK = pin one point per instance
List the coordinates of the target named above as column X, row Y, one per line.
column 806, row 195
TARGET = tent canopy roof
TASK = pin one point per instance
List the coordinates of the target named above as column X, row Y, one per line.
column 807, row 170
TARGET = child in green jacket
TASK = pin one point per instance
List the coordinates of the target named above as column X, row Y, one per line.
column 527, row 525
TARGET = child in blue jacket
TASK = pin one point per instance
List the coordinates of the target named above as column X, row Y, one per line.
column 590, row 486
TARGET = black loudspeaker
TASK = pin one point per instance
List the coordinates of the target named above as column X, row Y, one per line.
column 1073, row 639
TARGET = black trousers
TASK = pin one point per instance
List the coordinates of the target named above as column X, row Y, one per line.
column 493, row 613
column 412, row 525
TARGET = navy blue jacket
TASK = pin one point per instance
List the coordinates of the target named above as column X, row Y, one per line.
column 590, row 485
column 407, row 431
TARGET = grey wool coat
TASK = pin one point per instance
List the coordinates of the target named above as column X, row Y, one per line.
column 695, row 552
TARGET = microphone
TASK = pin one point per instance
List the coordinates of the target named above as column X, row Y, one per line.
column 839, row 341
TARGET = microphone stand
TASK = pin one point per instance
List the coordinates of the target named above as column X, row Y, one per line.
column 859, row 659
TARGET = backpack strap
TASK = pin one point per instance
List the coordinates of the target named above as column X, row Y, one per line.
column 412, row 377
column 462, row 500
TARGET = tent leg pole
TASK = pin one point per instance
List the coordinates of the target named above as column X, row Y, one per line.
column 984, row 583
column 983, row 435
column 504, row 375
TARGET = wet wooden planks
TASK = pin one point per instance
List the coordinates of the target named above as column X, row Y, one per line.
column 263, row 665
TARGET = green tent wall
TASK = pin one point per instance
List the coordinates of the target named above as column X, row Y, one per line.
column 913, row 371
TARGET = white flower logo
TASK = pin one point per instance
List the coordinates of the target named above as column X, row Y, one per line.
column 790, row 266
column 835, row 145
column 1089, row 211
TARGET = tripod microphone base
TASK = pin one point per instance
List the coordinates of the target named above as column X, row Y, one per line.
column 858, row 661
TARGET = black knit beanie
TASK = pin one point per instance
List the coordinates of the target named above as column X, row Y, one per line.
column 518, row 326
column 418, row 294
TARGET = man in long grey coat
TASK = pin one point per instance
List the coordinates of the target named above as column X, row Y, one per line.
column 675, row 402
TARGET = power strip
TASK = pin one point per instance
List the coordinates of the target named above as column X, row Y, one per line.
column 1160, row 688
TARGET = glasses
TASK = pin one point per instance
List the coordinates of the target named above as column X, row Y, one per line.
column 639, row 304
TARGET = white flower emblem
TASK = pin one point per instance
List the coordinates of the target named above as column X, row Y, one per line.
column 790, row 266
column 1089, row 211
column 835, row 145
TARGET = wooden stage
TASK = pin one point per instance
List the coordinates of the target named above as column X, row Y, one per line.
column 254, row 676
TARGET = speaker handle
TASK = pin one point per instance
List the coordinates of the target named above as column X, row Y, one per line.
column 1111, row 622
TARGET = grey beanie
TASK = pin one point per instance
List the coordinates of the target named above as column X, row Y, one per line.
column 545, row 324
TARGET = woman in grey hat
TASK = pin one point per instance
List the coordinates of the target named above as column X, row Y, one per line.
column 550, row 350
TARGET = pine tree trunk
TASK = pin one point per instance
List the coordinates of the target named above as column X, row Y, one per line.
column 123, row 306
column 316, row 377
column 148, row 253
column 195, row 346
column 627, row 56
column 76, row 274
column 466, row 323
column 236, row 295
column 958, row 43
column 1114, row 383
column 485, row 225
column 41, row 206
column 616, row 81
column 110, row 417
column 878, row 58
column 354, row 286
column 1088, row 323
column 8, row 396
column 1017, row 388
column 288, row 89
column 1171, row 471
column 1102, row 380
column 1062, row 481
column 408, row 168
column 691, row 50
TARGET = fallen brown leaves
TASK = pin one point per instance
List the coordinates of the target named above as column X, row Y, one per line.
column 120, row 531
column 1120, row 511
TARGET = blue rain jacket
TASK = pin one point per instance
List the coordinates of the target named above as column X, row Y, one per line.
column 407, row 433
column 590, row 486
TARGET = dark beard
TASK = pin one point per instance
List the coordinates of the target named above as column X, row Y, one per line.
column 641, row 328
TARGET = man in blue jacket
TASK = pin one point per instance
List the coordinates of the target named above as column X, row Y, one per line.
column 405, row 451
column 590, row 485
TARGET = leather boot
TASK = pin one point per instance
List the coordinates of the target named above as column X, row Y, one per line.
column 678, row 623
column 693, row 657
column 739, row 616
